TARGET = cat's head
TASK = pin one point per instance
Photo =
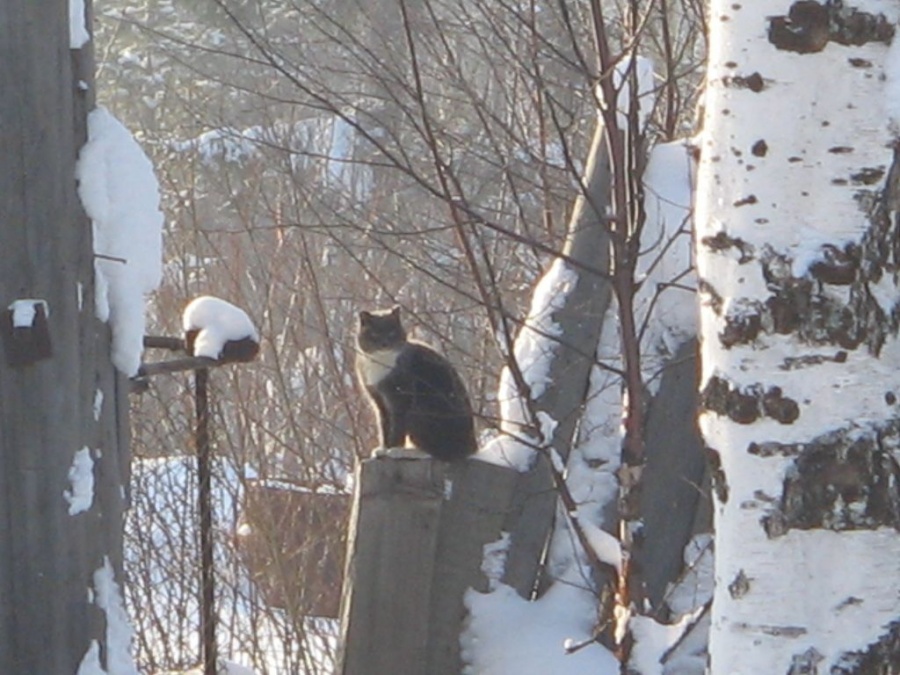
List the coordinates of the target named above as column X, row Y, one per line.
column 380, row 329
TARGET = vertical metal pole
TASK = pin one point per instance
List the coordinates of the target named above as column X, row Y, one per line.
column 204, row 499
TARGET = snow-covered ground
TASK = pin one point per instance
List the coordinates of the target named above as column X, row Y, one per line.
column 162, row 573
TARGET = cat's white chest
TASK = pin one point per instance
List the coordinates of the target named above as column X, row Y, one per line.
column 373, row 367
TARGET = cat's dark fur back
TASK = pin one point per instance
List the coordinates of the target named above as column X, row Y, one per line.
column 415, row 391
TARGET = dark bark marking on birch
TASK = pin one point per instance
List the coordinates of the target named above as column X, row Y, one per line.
column 747, row 405
column 715, row 300
column 779, row 407
column 721, row 241
column 760, row 148
column 809, row 26
column 781, row 631
column 805, row 361
column 835, row 266
column 740, row 585
column 801, row 305
column 850, row 601
column 754, row 82
column 719, row 482
column 719, row 397
column 740, row 329
column 804, row 30
column 774, row 449
column 881, row 656
column 867, row 176
column 840, row 481
column 806, row 663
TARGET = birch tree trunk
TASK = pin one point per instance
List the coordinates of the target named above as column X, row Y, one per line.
column 797, row 254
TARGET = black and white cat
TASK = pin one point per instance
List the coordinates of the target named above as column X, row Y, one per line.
column 416, row 392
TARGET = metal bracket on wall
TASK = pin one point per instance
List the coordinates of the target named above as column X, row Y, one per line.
column 26, row 332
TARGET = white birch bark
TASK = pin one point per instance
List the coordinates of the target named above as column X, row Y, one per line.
column 797, row 261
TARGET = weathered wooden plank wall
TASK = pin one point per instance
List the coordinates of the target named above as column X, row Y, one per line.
column 417, row 533
column 580, row 320
column 48, row 557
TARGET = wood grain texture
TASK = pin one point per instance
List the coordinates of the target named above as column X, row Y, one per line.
column 417, row 532
column 673, row 493
column 47, row 557
column 580, row 320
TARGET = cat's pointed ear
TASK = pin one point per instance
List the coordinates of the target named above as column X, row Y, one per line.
column 395, row 311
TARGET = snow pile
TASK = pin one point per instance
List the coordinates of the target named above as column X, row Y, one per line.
column 502, row 623
column 80, row 496
column 506, row 450
column 506, row 635
column 679, row 648
column 605, row 546
column 666, row 315
column 535, row 346
column 90, row 662
column 118, row 631
column 633, row 69
column 665, row 307
column 228, row 145
column 78, row 32
column 656, row 646
column 121, row 195
column 697, row 584
column 667, row 300
column 217, row 322
column 162, row 561
column 493, row 560
column 24, row 311
column 599, row 437
column 223, row 667
column 539, row 337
